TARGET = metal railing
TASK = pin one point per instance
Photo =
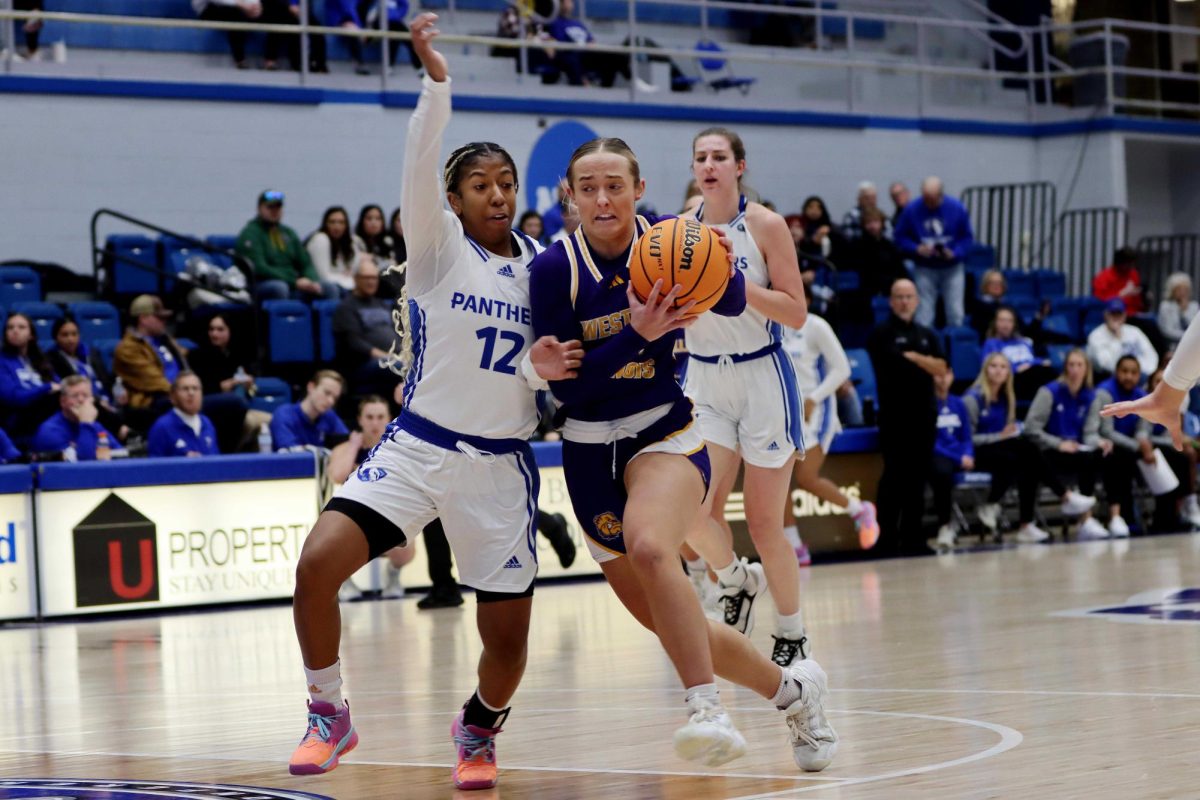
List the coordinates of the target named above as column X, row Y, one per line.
column 1014, row 218
column 1083, row 243
column 1159, row 256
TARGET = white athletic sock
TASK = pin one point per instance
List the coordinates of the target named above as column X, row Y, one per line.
column 325, row 685
column 701, row 696
column 788, row 691
column 790, row 626
column 793, row 536
column 696, row 566
column 854, row 507
column 733, row 575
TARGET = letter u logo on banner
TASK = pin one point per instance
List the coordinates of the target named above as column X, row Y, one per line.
column 116, row 572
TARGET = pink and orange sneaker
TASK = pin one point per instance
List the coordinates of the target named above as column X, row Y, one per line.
column 330, row 736
column 867, row 525
column 476, row 767
column 803, row 557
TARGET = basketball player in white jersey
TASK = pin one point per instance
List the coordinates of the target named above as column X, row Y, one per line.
column 1164, row 405
column 821, row 367
column 745, row 392
column 458, row 450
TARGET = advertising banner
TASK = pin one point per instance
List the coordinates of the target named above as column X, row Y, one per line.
column 18, row 588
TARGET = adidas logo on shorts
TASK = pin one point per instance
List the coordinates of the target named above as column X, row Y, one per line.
column 512, row 563
column 772, row 446
column 505, row 271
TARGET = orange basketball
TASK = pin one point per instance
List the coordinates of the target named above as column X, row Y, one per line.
column 681, row 251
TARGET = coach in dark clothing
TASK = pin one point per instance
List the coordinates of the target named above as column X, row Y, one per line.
column 906, row 357
column 363, row 333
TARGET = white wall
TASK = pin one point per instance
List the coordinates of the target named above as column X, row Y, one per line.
column 1164, row 195
column 198, row 166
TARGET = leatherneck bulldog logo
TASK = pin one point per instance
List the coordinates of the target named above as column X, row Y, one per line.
column 607, row 525
column 72, row 789
column 1156, row 607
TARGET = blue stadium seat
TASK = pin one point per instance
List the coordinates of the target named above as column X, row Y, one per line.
column 715, row 70
column 1058, row 354
column 1026, row 308
column 1020, row 283
column 846, row 281
column 1050, row 284
column 270, row 393
column 1091, row 316
column 836, row 27
column 96, row 321
column 126, row 251
column 965, row 354
column 19, row 285
column 862, row 375
column 1062, row 324
column 105, row 348
column 289, row 332
column 44, row 315
column 185, row 343
column 982, row 256
column 323, row 310
column 173, row 254
column 223, row 241
column 881, row 308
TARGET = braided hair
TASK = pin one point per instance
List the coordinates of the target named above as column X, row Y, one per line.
column 467, row 155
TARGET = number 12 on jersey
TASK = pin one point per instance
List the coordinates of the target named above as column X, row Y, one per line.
column 503, row 364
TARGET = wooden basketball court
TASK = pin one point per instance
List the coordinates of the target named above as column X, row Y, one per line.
column 969, row 675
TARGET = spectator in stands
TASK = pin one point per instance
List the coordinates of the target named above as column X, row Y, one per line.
column 1064, row 423
column 1177, row 309
column 344, row 14
column 1113, row 339
column 74, row 430
column 70, row 356
column 552, row 220
column 364, row 334
column 28, row 385
column 992, row 291
column 9, row 454
column 509, row 25
column 531, row 225
column 371, row 237
column 818, row 235
column 1121, row 280
column 184, row 431
column 397, row 10
column 901, row 197
column 1000, row 450
column 569, row 219
column 31, row 29
column 1130, row 437
column 953, row 452
column 224, row 371
column 231, row 11
column 310, row 423
column 1183, row 464
column 906, row 357
column 935, row 232
column 373, row 418
column 287, row 12
column 1004, row 337
column 148, row 359
column 581, row 67
column 868, row 200
column 399, row 248
column 332, row 249
column 282, row 268
column 875, row 257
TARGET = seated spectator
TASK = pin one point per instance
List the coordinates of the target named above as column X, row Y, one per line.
column 223, row 373
column 1177, row 309
column 399, row 248
column 371, row 237
column 287, row 12
column 9, row 454
column 818, row 235
column 184, row 431
column 1064, row 423
column 331, row 249
column 581, row 67
column 148, row 359
column 373, row 418
column 1000, row 449
column 935, row 232
column 953, row 452
column 1183, row 464
column 1113, row 339
column 875, row 257
column 32, row 29
column 70, row 356
column 310, row 422
column 1121, row 281
column 1004, row 337
column 344, row 14
column 532, row 226
column 364, row 333
column 74, row 430
column 509, row 26
column 868, row 200
column 992, row 290
column 1130, row 437
column 27, row 382
column 397, row 10
column 901, row 197
column 231, row 11
column 282, row 268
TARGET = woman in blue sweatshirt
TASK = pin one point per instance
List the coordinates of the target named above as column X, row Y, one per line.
column 953, row 452
column 1030, row 372
column 1064, row 422
column 28, row 386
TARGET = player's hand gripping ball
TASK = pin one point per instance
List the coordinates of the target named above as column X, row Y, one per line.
column 684, row 252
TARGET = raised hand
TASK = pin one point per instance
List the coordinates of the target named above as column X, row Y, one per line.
column 554, row 360
column 423, row 33
column 1161, row 407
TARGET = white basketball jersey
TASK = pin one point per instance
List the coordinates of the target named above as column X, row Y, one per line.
column 808, row 348
column 469, row 334
column 714, row 335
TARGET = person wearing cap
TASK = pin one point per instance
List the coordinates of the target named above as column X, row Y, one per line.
column 282, row 266
column 148, row 359
column 1108, row 342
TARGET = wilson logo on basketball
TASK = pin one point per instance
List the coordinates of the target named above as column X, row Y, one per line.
column 691, row 238
column 116, row 556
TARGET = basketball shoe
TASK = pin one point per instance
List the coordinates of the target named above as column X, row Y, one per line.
column 476, row 765
column 1092, row 529
column 738, row 601
column 1074, row 503
column 803, row 557
column 787, row 651
column 709, row 736
column 814, row 741
column 330, row 736
column 867, row 524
